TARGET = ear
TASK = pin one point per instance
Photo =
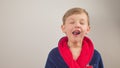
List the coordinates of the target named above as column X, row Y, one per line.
column 88, row 30
column 63, row 28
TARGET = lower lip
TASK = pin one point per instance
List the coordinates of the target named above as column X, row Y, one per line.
column 76, row 34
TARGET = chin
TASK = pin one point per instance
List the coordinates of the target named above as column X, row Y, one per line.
column 76, row 40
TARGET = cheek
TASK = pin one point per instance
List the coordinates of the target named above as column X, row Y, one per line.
column 68, row 30
column 87, row 30
column 84, row 29
column 67, row 27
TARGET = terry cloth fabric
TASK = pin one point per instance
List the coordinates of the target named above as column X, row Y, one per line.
column 84, row 58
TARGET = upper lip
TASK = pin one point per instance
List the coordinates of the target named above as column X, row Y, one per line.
column 76, row 32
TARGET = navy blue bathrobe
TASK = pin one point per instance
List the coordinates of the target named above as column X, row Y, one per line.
column 55, row 60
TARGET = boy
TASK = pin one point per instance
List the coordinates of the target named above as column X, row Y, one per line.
column 75, row 50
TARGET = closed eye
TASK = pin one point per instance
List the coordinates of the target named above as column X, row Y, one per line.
column 72, row 22
column 82, row 23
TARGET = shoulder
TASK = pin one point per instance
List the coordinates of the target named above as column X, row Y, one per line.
column 96, row 56
column 97, row 53
column 55, row 55
column 55, row 60
column 96, row 60
column 54, row 51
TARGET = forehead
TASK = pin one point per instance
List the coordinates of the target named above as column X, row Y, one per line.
column 81, row 16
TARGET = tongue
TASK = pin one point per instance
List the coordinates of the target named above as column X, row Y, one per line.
column 76, row 32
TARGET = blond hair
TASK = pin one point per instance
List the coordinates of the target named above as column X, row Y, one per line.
column 74, row 11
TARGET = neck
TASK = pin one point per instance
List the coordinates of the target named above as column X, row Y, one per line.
column 75, row 44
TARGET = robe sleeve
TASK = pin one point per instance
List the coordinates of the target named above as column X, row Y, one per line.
column 96, row 61
column 50, row 61
column 55, row 60
column 101, row 63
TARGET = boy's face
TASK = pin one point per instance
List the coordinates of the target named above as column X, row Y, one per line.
column 76, row 27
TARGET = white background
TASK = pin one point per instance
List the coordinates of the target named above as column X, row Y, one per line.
column 29, row 29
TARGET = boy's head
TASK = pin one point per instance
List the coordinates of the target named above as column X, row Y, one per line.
column 74, row 11
column 76, row 24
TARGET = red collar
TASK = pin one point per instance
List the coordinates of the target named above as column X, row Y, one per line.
column 84, row 58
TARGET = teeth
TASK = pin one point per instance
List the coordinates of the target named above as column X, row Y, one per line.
column 76, row 32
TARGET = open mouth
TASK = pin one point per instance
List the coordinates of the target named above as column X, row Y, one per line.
column 76, row 32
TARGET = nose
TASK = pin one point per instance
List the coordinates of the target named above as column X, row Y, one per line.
column 77, row 25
